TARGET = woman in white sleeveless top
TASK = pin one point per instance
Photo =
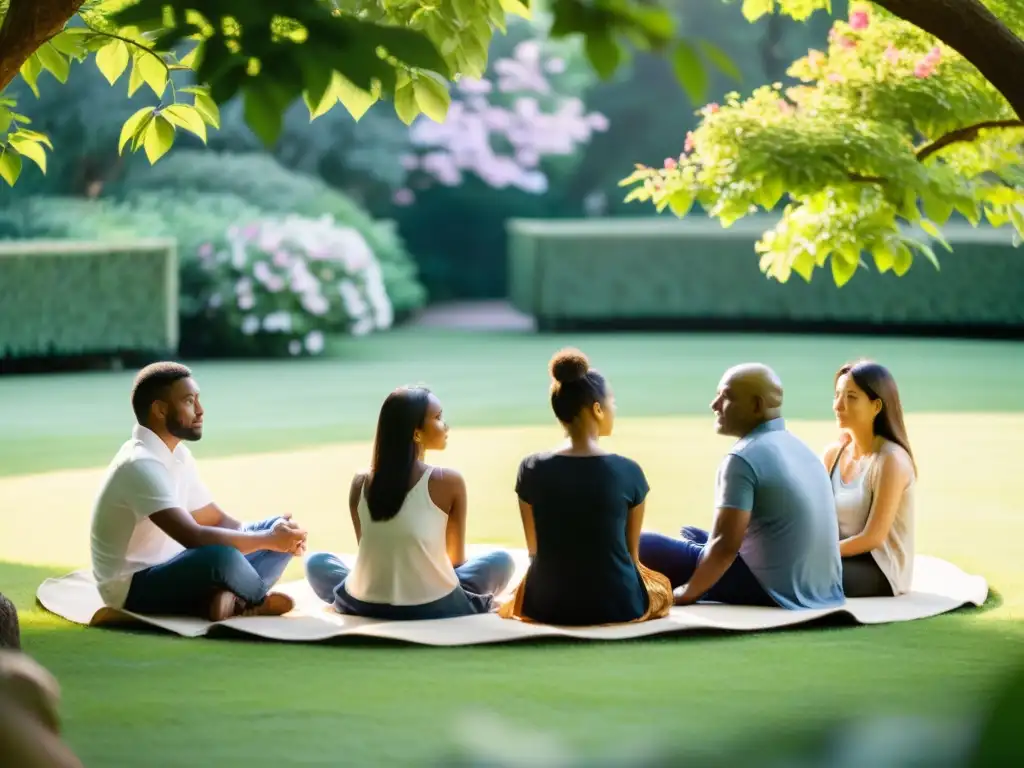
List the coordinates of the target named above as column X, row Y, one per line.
column 873, row 476
column 410, row 522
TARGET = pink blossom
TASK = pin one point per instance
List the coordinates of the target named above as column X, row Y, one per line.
column 892, row 54
column 281, row 258
column 206, row 250
column 847, row 43
column 785, row 107
column 689, row 143
column 816, row 59
column 403, row 197
column 710, row 109
column 670, row 163
column 555, row 66
column 927, row 66
column 859, row 20
column 835, row 77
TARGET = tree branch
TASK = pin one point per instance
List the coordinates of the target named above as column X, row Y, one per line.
column 977, row 34
column 968, row 133
column 133, row 43
column 27, row 25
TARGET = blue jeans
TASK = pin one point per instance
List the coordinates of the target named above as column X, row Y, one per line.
column 184, row 585
column 679, row 558
column 479, row 580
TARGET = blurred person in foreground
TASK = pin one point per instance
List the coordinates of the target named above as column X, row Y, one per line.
column 29, row 720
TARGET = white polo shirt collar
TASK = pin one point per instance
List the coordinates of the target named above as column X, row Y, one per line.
column 154, row 444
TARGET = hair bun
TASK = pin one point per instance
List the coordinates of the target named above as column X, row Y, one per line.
column 569, row 365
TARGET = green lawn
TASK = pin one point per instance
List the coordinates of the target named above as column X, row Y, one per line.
column 133, row 699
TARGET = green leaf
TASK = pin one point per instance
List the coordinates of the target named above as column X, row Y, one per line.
column 112, row 60
column 904, row 258
column 517, row 8
column 432, row 97
column 842, row 269
column 405, row 100
column 135, row 79
column 153, row 72
column 6, row 118
column 603, row 52
column 36, row 136
column 690, row 71
column 54, row 61
column 680, row 202
column 720, row 59
column 938, row 208
column 318, row 91
column 926, row 250
column 935, row 232
column 354, row 99
column 262, row 112
column 159, row 138
column 30, row 73
column 184, row 116
column 803, row 265
column 10, row 165
column 884, row 257
column 30, row 149
column 755, row 9
column 207, row 109
column 132, row 126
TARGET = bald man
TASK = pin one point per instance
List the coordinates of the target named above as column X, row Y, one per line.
column 775, row 540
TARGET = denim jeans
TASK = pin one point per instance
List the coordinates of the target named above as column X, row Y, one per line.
column 678, row 558
column 184, row 584
column 479, row 580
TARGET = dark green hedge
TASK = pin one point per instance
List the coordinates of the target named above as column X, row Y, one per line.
column 76, row 298
column 630, row 270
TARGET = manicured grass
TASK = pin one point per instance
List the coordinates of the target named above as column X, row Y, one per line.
column 54, row 422
column 133, row 699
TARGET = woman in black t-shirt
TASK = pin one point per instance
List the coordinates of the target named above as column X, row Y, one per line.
column 582, row 511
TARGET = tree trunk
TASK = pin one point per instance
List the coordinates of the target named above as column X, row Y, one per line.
column 27, row 25
column 977, row 34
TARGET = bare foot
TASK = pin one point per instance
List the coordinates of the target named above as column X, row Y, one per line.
column 224, row 605
column 276, row 604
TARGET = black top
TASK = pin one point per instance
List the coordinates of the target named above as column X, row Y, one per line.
column 582, row 572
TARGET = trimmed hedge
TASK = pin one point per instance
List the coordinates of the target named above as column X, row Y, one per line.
column 69, row 298
column 693, row 272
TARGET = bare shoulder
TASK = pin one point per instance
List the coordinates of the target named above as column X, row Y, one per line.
column 831, row 453
column 358, row 480
column 895, row 457
column 445, row 478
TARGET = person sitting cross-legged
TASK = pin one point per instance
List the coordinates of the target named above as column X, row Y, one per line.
column 410, row 523
column 775, row 539
column 160, row 544
column 582, row 510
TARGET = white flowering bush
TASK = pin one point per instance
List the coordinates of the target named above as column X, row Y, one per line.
column 278, row 286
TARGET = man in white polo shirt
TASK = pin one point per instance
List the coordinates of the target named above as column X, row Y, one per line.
column 160, row 545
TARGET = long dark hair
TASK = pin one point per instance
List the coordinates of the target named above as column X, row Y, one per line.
column 394, row 450
column 878, row 384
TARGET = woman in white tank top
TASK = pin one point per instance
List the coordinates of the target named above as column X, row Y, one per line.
column 410, row 522
column 873, row 475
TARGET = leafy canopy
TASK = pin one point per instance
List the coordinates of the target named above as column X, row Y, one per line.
column 889, row 131
column 195, row 55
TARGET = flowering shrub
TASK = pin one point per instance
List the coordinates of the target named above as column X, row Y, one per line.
column 502, row 126
column 279, row 285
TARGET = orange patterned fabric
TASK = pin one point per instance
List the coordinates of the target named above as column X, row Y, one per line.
column 659, row 597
